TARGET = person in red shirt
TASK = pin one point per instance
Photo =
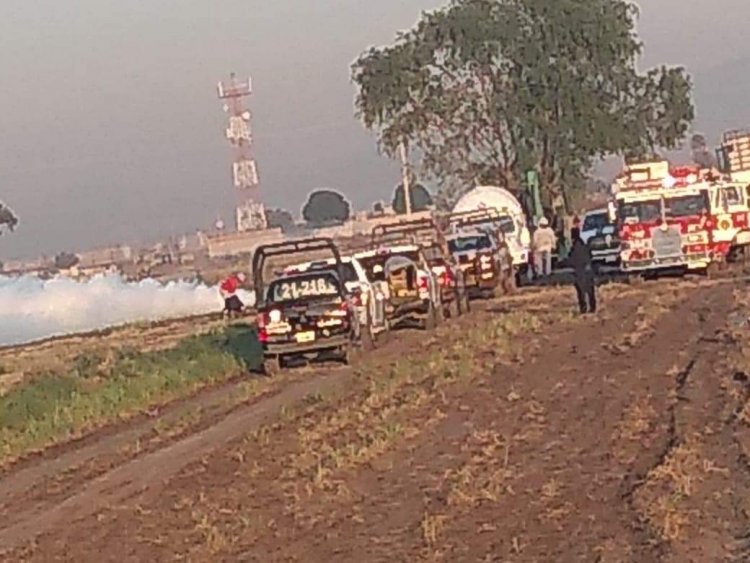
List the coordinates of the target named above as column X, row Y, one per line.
column 233, row 305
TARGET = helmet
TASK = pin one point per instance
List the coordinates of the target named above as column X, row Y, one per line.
column 543, row 222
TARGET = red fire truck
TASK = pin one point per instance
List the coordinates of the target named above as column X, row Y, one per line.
column 730, row 197
column 662, row 216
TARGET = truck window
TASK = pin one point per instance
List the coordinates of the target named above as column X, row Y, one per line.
column 474, row 242
column 686, row 206
column 730, row 196
column 640, row 211
column 595, row 221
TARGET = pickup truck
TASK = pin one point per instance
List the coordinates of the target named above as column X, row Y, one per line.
column 410, row 289
column 367, row 297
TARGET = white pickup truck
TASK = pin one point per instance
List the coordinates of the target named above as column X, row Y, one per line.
column 409, row 288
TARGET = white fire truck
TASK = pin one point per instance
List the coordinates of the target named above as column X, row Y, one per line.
column 730, row 197
column 662, row 217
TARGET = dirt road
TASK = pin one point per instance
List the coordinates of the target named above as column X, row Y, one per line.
column 520, row 433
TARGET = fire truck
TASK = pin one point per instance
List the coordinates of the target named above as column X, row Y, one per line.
column 662, row 217
column 730, row 197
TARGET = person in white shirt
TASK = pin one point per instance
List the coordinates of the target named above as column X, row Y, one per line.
column 544, row 242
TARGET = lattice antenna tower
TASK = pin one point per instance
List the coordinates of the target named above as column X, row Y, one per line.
column 250, row 213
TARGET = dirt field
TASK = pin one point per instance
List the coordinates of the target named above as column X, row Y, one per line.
column 519, row 433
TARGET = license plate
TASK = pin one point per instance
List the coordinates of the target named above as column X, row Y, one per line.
column 307, row 336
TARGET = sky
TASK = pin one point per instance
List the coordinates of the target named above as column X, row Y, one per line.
column 112, row 132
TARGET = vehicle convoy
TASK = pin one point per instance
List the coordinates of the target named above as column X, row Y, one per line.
column 730, row 197
column 663, row 220
column 305, row 314
column 367, row 298
column 514, row 222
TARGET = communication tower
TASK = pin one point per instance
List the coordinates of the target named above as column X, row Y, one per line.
column 250, row 213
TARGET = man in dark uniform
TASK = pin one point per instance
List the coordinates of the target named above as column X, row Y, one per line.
column 580, row 260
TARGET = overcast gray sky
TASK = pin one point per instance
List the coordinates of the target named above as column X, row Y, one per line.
column 111, row 129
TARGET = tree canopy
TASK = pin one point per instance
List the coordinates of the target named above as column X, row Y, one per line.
column 326, row 207
column 487, row 89
column 420, row 198
column 280, row 218
column 8, row 219
column 65, row 260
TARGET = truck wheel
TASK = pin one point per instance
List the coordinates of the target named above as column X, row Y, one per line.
column 348, row 354
column 430, row 320
column 635, row 279
column 272, row 366
column 366, row 338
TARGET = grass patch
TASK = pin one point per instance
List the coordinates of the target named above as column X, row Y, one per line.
column 99, row 388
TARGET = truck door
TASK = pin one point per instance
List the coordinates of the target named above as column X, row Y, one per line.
column 731, row 209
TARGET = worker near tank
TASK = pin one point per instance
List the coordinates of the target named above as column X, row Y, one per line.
column 543, row 243
column 583, row 272
column 233, row 305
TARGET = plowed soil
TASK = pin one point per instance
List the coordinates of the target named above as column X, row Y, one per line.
column 521, row 432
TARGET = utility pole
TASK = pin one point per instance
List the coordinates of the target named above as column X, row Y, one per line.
column 406, row 179
column 251, row 214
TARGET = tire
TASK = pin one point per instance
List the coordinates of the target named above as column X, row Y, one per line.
column 466, row 303
column 430, row 321
column 366, row 338
column 635, row 279
column 454, row 309
column 348, row 354
column 272, row 366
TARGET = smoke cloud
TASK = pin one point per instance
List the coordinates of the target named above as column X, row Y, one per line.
column 33, row 309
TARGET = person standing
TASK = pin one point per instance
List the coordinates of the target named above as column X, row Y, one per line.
column 544, row 242
column 583, row 271
column 233, row 305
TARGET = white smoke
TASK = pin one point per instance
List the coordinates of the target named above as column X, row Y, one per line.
column 33, row 309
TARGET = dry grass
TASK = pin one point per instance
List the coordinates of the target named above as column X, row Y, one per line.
column 484, row 477
column 662, row 498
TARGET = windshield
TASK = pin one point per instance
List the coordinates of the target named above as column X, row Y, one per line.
column 373, row 265
column 506, row 224
column 303, row 287
column 595, row 221
column 686, row 206
column 640, row 211
column 350, row 274
column 475, row 242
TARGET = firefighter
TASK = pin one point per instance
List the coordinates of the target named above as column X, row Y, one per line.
column 585, row 281
column 233, row 305
column 544, row 242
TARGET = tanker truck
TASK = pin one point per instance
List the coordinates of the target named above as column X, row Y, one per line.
column 513, row 222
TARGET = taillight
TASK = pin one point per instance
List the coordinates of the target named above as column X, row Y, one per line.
column 423, row 283
column 262, row 321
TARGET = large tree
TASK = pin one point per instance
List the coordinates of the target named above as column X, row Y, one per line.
column 8, row 219
column 483, row 90
column 326, row 207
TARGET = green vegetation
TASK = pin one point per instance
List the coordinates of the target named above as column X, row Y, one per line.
column 420, row 199
column 326, row 207
column 482, row 90
column 8, row 220
column 98, row 389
